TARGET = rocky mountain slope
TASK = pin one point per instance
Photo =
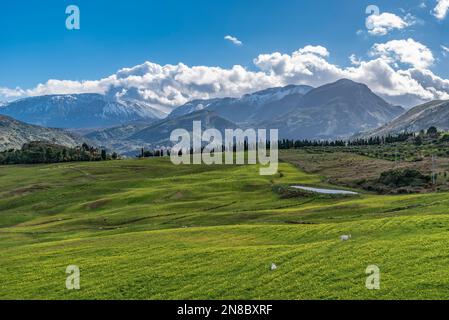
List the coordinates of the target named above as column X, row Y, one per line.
column 13, row 134
column 434, row 113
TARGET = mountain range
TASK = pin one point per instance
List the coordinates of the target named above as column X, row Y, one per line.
column 333, row 111
column 77, row 111
column 337, row 110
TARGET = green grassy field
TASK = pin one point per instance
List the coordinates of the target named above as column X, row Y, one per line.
column 146, row 229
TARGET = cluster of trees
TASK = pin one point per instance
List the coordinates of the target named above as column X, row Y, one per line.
column 404, row 178
column 373, row 141
column 43, row 152
column 398, row 181
column 432, row 132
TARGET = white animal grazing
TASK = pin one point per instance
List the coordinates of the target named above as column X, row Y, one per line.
column 273, row 267
column 345, row 237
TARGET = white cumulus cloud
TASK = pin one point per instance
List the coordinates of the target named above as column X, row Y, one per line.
column 382, row 24
column 396, row 70
column 405, row 51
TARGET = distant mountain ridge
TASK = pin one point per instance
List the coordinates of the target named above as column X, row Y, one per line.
column 13, row 134
column 77, row 111
column 250, row 108
column 334, row 111
column 434, row 113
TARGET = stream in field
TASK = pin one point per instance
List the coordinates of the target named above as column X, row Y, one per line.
column 325, row 191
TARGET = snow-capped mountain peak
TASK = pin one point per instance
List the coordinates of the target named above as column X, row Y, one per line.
column 80, row 111
column 246, row 106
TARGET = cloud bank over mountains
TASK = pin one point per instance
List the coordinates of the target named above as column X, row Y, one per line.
column 398, row 70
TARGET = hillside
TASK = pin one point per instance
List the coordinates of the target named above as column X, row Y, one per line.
column 159, row 133
column 13, row 134
column 434, row 113
column 159, row 231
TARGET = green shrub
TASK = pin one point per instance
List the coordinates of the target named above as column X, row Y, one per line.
column 403, row 178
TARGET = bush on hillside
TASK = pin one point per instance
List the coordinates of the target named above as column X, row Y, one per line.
column 403, row 178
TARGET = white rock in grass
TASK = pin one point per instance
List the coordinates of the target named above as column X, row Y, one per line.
column 273, row 267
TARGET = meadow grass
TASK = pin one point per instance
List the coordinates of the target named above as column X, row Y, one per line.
column 146, row 229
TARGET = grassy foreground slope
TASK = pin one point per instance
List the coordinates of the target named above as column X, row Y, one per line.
column 151, row 230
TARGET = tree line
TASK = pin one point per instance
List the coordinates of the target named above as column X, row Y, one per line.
column 389, row 139
column 161, row 152
column 43, row 152
column 284, row 144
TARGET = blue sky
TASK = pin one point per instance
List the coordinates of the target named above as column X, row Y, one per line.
column 35, row 46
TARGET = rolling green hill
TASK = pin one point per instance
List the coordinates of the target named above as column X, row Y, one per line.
column 146, row 229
